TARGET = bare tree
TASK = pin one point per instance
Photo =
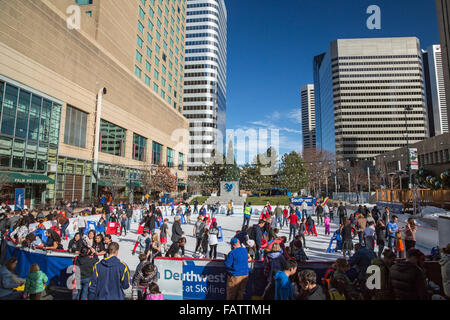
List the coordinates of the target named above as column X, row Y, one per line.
column 320, row 164
column 159, row 179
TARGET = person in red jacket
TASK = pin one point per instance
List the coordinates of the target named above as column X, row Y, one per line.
column 285, row 216
column 293, row 221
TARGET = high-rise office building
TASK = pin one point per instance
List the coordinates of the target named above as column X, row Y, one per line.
column 308, row 116
column 443, row 17
column 435, row 90
column 53, row 68
column 362, row 88
column 205, row 80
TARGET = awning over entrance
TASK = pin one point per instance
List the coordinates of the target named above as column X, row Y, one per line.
column 26, row 178
column 111, row 183
column 136, row 184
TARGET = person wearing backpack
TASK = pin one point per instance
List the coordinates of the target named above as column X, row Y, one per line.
column 273, row 262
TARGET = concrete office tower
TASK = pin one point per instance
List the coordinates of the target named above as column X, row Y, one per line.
column 308, row 116
column 362, row 87
column 205, row 88
column 51, row 80
column 443, row 17
column 435, row 90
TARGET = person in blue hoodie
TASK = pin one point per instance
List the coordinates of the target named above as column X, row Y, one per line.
column 283, row 287
column 110, row 277
column 236, row 264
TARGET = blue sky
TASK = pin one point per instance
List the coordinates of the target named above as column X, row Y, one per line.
column 271, row 45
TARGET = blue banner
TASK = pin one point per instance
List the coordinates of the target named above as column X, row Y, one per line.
column 204, row 280
column 53, row 264
column 19, row 199
column 309, row 201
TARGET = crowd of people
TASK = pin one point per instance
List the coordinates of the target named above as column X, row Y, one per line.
column 103, row 276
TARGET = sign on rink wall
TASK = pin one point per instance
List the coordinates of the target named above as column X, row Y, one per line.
column 192, row 279
column 444, row 231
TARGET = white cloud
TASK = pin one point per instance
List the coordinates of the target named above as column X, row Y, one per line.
column 296, row 115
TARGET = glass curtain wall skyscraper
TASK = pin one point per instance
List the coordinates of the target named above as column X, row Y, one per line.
column 205, row 79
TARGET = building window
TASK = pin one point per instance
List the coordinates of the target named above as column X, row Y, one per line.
column 147, row 80
column 180, row 161
column 141, row 13
column 139, row 147
column 138, row 56
column 170, row 156
column 75, row 127
column 112, row 139
column 156, row 153
column 140, row 42
column 29, row 133
column 140, row 27
column 137, row 71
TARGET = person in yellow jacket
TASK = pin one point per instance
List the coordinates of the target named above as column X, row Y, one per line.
column 247, row 214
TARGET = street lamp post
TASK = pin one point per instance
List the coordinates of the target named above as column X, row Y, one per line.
column 408, row 108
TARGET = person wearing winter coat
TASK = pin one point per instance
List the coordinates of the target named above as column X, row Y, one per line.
column 283, row 287
column 342, row 213
column 110, row 277
column 9, row 281
column 327, row 225
column 380, row 235
column 176, row 247
column 319, row 212
column 407, row 278
column 177, row 231
column 384, row 292
column 369, row 235
column 144, row 277
column 410, row 234
column 75, row 244
column 213, row 241
column 256, row 234
column 86, row 263
column 273, row 262
column 361, row 260
column 445, row 270
column 298, row 251
column 376, row 213
column 309, row 289
column 34, row 286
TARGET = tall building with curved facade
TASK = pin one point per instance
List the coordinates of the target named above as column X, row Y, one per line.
column 205, row 79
